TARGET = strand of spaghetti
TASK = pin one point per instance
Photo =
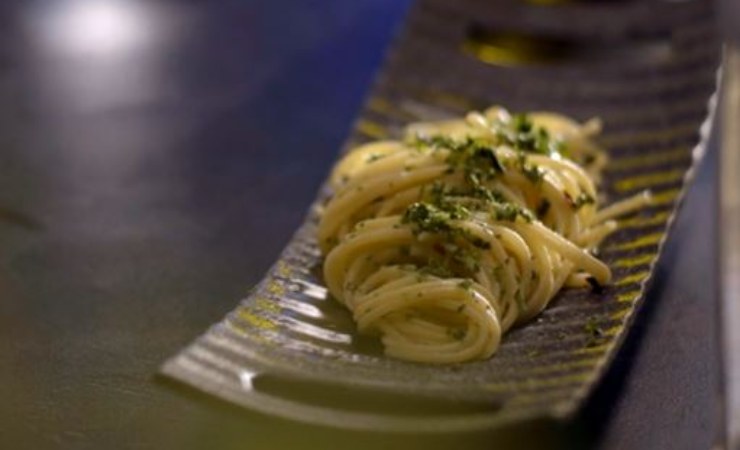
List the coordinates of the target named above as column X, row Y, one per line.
column 623, row 207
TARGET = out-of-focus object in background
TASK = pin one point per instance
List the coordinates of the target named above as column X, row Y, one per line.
column 730, row 220
column 93, row 27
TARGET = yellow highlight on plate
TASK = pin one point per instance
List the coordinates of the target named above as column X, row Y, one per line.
column 372, row 129
column 640, row 222
column 256, row 321
column 634, row 262
column 648, row 180
column 510, row 49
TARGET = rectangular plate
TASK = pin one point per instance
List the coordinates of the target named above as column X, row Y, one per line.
column 646, row 68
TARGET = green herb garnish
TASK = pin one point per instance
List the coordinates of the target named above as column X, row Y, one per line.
column 582, row 200
column 510, row 212
column 457, row 334
column 465, row 284
column 594, row 332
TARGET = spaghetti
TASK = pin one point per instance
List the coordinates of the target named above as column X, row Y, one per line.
column 442, row 242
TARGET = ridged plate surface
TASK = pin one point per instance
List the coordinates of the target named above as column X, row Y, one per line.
column 646, row 68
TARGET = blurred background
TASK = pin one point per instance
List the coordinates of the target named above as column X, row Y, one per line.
column 156, row 156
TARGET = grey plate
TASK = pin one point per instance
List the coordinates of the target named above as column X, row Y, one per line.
column 646, row 68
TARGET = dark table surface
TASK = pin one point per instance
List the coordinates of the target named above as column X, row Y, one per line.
column 154, row 159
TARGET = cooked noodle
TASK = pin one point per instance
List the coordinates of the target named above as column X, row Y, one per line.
column 444, row 241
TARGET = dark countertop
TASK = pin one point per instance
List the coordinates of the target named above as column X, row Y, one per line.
column 151, row 172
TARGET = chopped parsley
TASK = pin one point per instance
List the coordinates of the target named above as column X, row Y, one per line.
column 374, row 157
column 594, row 332
column 583, row 199
column 520, row 303
column 523, row 135
column 456, row 333
column 533, row 173
column 465, row 284
column 475, row 157
column 428, row 217
column 510, row 212
column 442, row 205
column 437, row 267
